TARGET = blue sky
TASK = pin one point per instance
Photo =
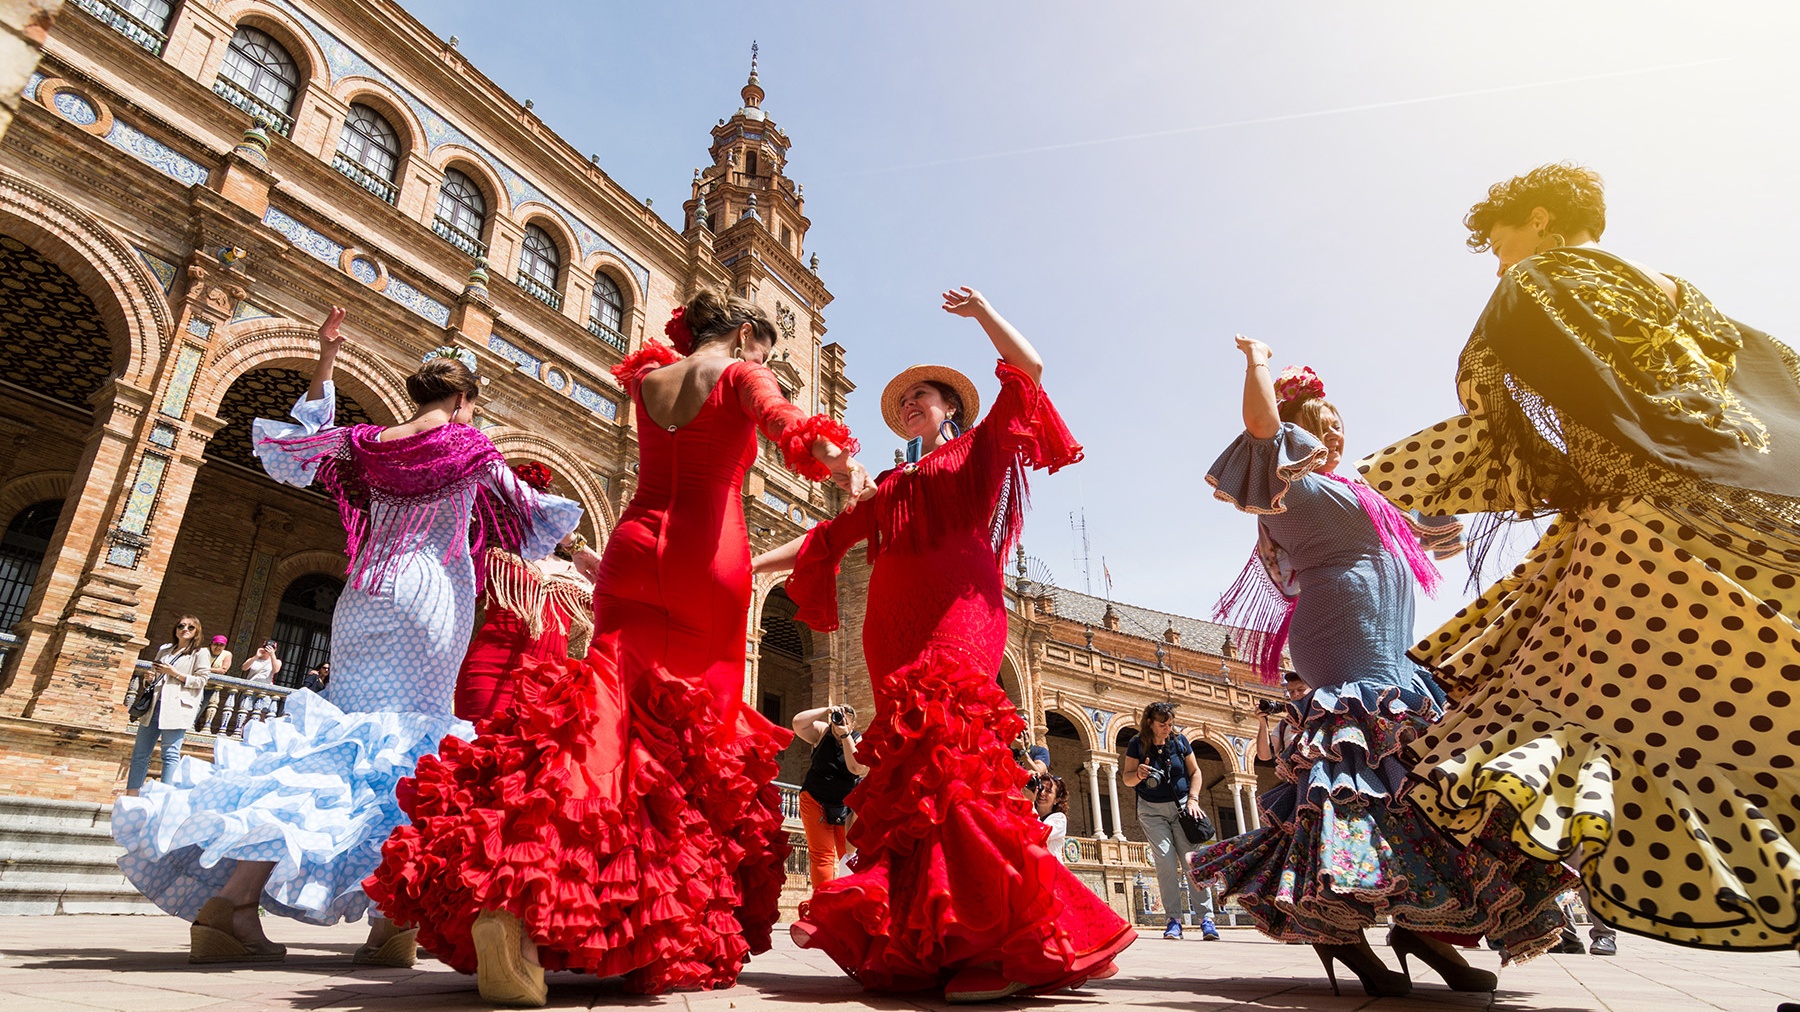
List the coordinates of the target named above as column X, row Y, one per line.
column 1134, row 183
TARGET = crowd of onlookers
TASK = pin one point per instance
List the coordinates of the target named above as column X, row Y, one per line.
column 173, row 694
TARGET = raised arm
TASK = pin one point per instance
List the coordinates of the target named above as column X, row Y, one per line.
column 817, row 447
column 330, row 340
column 1012, row 346
column 1261, row 419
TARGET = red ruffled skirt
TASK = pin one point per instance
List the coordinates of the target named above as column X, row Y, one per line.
column 632, row 832
column 951, row 871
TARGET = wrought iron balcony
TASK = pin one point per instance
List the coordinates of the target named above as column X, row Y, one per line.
column 270, row 117
column 540, row 291
column 457, row 237
column 607, row 334
column 120, row 20
column 362, row 177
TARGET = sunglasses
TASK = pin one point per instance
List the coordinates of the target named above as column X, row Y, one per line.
column 185, row 625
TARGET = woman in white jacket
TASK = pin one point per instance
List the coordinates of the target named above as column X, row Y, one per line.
column 179, row 681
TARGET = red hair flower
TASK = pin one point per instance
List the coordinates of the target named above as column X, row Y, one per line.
column 679, row 333
column 1298, row 383
column 533, row 473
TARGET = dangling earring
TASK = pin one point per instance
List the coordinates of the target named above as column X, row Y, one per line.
column 955, row 430
column 737, row 351
column 1549, row 241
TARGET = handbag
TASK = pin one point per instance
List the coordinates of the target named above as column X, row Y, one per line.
column 145, row 699
column 1197, row 830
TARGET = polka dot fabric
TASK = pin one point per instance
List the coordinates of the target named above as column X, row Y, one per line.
column 1628, row 692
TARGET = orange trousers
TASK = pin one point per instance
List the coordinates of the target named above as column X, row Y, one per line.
column 825, row 843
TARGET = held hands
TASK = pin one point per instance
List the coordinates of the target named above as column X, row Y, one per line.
column 966, row 301
column 330, row 339
column 1255, row 352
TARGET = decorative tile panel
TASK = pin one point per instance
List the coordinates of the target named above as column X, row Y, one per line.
column 163, row 435
column 556, row 379
column 187, row 363
column 247, row 310
column 122, row 555
column 253, row 597
column 417, row 301
column 346, row 62
column 75, row 109
column 164, row 270
column 199, row 328
column 595, row 401
column 363, row 270
column 31, row 84
column 308, row 240
column 143, row 494
column 776, row 501
column 156, row 154
column 515, row 354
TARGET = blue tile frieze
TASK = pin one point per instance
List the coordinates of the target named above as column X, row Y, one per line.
column 155, row 154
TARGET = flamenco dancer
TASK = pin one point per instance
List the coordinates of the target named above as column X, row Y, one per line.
column 293, row 817
column 953, row 887
column 1623, row 699
column 620, row 816
column 1332, row 581
column 542, row 609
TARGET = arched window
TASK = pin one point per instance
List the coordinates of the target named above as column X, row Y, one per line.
column 22, row 550
column 538, row 263
column 259, row 77
column 606, row 312
column 303, row 625
column 461, row 213
column 369, row 152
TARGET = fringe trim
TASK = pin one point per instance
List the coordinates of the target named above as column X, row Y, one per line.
column 517, row 586
column 571, row 599
column 1262, row 613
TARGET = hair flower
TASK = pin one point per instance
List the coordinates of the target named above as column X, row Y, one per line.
column 1298, row 383
column 451, row 351
column 678, row 331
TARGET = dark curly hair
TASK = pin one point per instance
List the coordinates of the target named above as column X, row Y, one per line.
column 1571, row 193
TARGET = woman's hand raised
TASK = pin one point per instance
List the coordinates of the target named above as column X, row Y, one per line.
column 1255, row 352
column 330, row 338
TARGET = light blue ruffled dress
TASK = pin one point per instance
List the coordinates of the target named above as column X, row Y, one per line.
column 1340, row 849
column 313, row 791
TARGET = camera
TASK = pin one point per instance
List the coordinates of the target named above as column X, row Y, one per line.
column 1271, row 707
column 1035, row 784
column 1152, row 776
column 837, row 716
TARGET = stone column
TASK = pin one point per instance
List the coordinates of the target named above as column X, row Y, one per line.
column 1093, row 772
column 1114, row 779
column 1237, row 801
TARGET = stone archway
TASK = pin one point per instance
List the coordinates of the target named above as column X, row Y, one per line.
column 784, row 675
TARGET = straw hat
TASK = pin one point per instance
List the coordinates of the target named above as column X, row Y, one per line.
column 897, row 387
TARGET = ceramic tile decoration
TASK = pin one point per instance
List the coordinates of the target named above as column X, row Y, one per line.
column 31, row 84
column 417, row 301
column 187, row 363
column 143, row 493
column 595, row 401
column 156, row 154
column 363, row 270
column 199, row 328
column 312, row 242
column 513, row 353
column 164, row 270
column 247, row 310
column 75, row 109
column 122, row 555
column 163, row 435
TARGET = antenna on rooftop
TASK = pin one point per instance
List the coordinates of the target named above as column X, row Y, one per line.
column 1078, row 529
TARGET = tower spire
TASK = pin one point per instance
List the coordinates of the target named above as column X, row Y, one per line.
column 753, row 93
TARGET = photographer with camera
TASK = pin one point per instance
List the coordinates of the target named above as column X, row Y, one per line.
column 1159, row 764
column 835, row 769
column 1272, row 742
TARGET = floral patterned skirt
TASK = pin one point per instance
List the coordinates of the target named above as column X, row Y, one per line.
column 1341, row 849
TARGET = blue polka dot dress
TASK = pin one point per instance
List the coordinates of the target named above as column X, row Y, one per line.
column 313, row 791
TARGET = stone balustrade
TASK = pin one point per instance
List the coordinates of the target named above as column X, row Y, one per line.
column 229, row 704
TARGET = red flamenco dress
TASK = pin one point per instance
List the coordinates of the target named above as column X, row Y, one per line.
column 531, row 611
column 952, row 886
column 623, row 807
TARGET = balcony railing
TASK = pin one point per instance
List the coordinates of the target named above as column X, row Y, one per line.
column 540, row 291
column 362, row 177
column 790, row 803
column 458, row 238
column 229, row 704
column 120, row 20
column 607, row 334
column 264, row 113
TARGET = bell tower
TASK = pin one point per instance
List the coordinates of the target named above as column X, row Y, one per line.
column 747, row 180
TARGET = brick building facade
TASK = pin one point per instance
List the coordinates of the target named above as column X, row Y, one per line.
column 186, row 188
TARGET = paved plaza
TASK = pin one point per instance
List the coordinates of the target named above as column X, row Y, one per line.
column 139, row 964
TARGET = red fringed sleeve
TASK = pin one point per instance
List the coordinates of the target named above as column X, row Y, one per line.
column 813, row 583
column 790, row 429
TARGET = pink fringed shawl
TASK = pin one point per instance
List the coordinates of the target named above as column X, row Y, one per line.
column 416, row 476
column 1259, row 602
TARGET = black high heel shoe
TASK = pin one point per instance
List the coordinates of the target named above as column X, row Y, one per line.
column 1460, row 976
column 1377, row 980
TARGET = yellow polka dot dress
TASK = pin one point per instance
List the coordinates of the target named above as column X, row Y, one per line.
column 1624, row 698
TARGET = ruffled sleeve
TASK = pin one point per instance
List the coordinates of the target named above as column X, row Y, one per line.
column 538, row 520
column 813, row 583
column 639, row 363
column 790, row 429
column 291, row 453
column 1026, row 424
column 1254, row 474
